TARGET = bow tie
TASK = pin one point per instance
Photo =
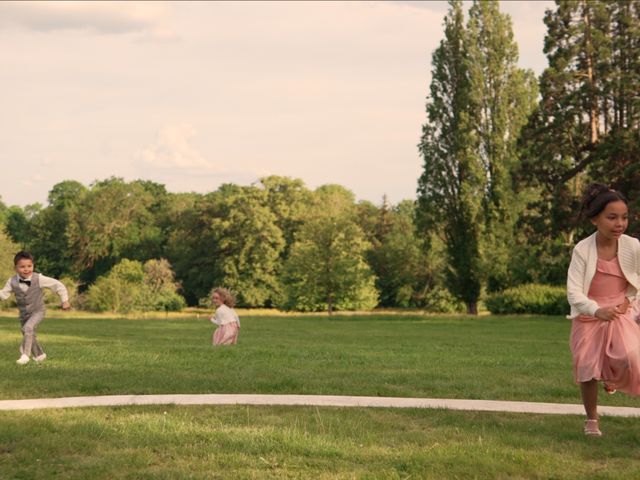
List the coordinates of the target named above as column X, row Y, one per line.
column 28, row 282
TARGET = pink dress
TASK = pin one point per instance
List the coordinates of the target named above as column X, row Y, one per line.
column 226, row 334
column 228, row 326
column 608, row 351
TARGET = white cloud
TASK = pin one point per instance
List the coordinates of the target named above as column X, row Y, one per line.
column 173, row 150
column 106, row 17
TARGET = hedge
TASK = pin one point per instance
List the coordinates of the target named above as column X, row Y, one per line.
column 529, row 298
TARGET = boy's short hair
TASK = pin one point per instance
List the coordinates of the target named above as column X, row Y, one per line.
column 23, row 255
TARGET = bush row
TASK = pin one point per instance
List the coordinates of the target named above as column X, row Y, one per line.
column 529, row 298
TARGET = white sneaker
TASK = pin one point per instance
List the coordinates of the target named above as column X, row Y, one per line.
column 24, row 359
column 41, row 358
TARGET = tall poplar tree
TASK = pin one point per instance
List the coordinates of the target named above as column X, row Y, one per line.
column 451, row 187
column 479, row 100
column 502, row 96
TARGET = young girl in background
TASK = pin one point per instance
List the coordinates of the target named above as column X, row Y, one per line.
column 602, row 284
column 225, row 317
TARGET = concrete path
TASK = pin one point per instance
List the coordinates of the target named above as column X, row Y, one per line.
column 313, row 400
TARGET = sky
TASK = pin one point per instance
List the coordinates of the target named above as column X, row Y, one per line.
column 197, row 94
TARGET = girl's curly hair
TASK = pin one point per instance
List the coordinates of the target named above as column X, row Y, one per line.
column 227, row 297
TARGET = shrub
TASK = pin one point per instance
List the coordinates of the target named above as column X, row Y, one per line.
column 440, row 300
column 529, row 298
column 166, row 300
column 121, row 290
column 52, row 298
column 130, row 286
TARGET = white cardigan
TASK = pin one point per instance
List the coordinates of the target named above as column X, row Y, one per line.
column 225, row 315
column 583, row 268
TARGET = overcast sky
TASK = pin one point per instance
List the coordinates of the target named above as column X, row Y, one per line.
column 193, row 95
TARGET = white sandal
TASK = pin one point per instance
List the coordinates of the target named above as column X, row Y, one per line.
column 591, row 428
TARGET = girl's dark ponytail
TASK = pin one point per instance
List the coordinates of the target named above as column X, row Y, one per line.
column 596, row 197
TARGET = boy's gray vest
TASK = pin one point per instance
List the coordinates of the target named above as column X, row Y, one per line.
column 30, row 301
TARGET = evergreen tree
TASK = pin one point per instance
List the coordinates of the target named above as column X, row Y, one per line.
column 586, row 125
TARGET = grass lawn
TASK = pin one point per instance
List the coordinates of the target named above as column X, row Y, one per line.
column 304, row 442
column 502, row 358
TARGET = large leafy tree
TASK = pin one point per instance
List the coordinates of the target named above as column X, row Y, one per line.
column 192, row 245
column 229, row 238
column 249, row 244
column 109, row 222
column 3, row 211
column 18, row 222
column 407, row 273
column 49, row 240
column 7, row 251
column 160, row 209
column 289, row 200
column 326, row 267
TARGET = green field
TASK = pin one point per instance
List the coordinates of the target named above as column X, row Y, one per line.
column 503, row 358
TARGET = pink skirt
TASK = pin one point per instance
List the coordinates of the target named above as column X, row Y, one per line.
column 607, row 351
column 226, row 334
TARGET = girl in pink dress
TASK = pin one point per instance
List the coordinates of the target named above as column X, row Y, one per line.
column 225, row 317
column 602, row 284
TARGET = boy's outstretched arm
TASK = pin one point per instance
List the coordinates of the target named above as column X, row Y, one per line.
column 6, row 291
column 58, row 287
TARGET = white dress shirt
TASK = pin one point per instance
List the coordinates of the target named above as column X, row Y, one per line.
column 45, row 282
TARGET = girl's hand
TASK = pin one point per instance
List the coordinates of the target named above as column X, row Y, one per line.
column 623, row 307
column 606, row 314
column 66, row 305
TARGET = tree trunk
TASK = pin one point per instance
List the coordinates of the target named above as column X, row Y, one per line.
column 593, row 100
column 330, row 304
column 472, row 308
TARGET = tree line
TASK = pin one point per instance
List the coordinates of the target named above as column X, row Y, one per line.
column 276, row 243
